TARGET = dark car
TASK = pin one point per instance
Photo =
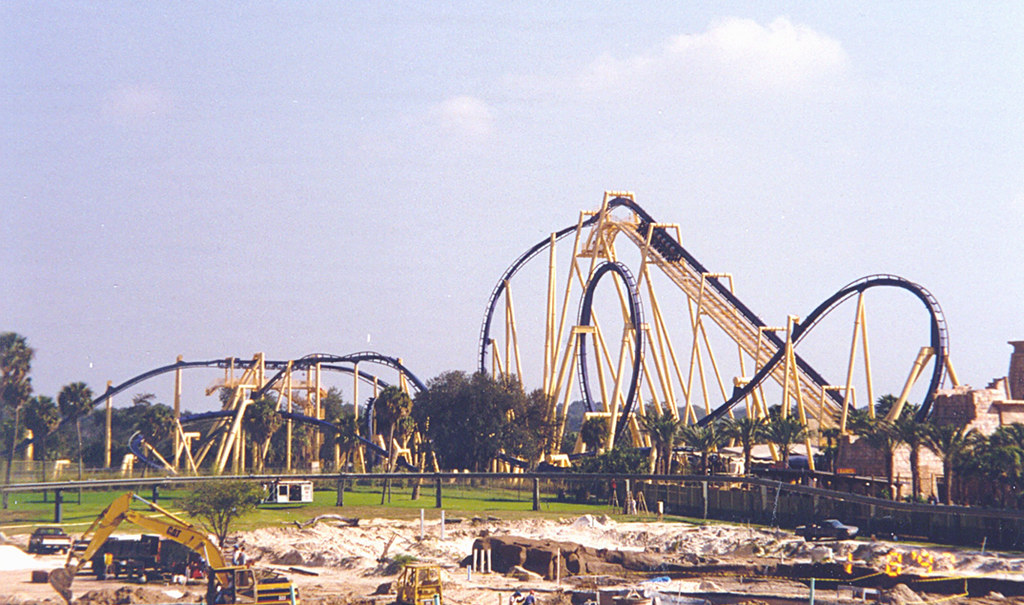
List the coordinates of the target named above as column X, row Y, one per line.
column 49, row 539
column 829, row 529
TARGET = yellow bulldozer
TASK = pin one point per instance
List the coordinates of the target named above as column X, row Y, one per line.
column 419, row 584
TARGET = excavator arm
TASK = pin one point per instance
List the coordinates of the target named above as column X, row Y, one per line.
column 119, row 511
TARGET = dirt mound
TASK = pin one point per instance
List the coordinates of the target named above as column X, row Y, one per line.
column 12, row 557
column 900, row 594
column 134, row 595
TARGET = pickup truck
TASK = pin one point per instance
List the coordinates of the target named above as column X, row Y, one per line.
column 829, row 529
column 49, row 539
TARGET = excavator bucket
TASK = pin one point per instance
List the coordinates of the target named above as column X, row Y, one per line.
column 61, row 579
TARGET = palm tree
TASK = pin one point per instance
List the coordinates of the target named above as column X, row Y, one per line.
column 884, row 438
column 749, row 431
column 261, row 421
column 1000, row 457
column 783, row 431
column 704, row 439
column 41, row 417
column 347, row 437
column 75, row 400
column 912, row 433
column 663, row 429
column 831, row 436
column 15, row 385
column 390, row 408
column 592, row 432
column 1001, row 460
column 950, row 442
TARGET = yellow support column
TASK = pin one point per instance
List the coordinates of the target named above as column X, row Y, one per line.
column 108, row 430
column 177, row 415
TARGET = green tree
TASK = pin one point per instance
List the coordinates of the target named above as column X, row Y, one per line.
column 784, row 431
column 831, row 435
column 950, row 442
column 703, row 439
column 910, row 431
column 41, row 417
column 347, row 435
column 333, row 404
column 15, row 386
column 217, row 504
column 622, row 459
column 472, row 418
column 261, row 421
column 75, row 401
column 391, row 408
column 593, row 431
column 749, row 431
column 664, row 429
column 155, row 422
column 884, row 404
column 529, row 426
column 1000, row 459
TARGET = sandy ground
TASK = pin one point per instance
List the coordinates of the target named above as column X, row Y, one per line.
column 341, row 562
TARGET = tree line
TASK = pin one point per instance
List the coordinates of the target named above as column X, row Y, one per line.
column 463, row 421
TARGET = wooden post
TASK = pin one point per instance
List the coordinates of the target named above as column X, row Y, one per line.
column 437, row 491
column 340, row 500
column 536, row 494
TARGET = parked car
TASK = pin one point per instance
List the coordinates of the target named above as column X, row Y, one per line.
column 49, row 539
column 829, row 529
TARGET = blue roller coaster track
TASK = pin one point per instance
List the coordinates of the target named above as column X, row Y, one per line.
column 672, row 251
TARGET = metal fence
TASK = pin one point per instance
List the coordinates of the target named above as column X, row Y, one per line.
column 741, row 499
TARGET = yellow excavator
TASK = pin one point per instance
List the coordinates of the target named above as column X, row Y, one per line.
column 226, row 583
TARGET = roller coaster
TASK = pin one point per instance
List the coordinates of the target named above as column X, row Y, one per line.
column 648, row 267
column 298, row 389
column 648, row 363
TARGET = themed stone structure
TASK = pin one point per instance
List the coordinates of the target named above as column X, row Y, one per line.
column 985, row 410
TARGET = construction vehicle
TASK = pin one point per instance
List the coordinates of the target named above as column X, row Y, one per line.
column 144, row 558
column 419, row 584
column 49, row 539
column 226, row 583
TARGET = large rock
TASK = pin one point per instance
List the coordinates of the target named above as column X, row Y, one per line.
column 550, row 558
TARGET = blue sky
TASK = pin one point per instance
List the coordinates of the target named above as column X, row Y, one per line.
column 216, row 179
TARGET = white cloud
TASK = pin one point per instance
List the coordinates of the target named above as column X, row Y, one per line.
column 466, row 116
column 731, row 53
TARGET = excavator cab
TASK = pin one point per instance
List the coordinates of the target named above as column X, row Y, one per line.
column 243, row 584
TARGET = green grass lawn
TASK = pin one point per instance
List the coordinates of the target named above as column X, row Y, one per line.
column 28, row 510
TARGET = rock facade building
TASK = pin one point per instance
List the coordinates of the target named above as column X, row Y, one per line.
column 985, row 410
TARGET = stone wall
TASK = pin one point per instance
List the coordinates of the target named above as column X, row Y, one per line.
column 978, row 408
column 983, row 410
column 855, row 453
column 1016, row 375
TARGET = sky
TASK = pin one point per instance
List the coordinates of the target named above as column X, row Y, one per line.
column 220, row 179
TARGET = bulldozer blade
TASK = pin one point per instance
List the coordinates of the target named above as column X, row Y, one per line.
column 61, row 579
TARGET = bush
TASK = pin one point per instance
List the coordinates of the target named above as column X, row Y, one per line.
column 398, row 563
